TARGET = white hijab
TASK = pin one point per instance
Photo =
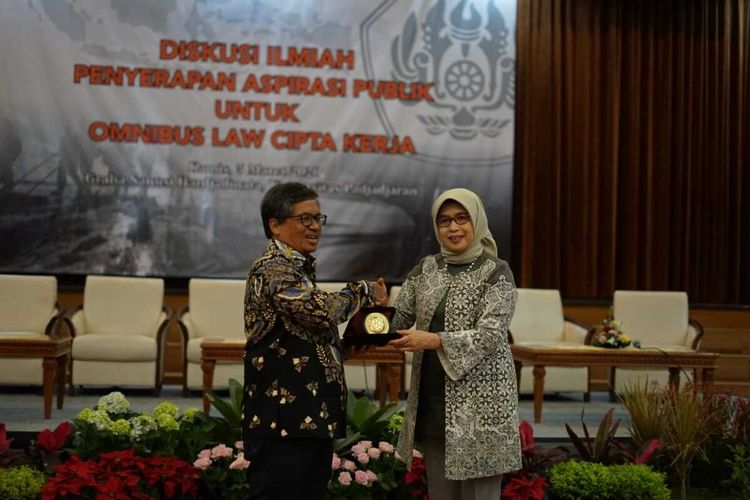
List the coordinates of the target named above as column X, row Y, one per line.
column 483, row 240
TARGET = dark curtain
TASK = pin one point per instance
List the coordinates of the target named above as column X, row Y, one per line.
column 633, row 148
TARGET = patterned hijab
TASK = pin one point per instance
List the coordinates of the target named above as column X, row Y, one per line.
column 483, row 240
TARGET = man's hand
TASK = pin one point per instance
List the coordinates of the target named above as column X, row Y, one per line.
column 416, row 340
column 381, row 292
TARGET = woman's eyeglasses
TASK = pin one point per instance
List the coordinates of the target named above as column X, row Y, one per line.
column 307, row 219
column 445, row 221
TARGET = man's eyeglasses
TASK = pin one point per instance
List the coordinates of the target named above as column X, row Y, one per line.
column 307, row 219
column 445, row 221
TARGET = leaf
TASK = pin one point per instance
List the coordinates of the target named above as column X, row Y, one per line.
column 235, row 395
column 226, row 409
column 648, row 451
column 578, row 443
column 360, row 413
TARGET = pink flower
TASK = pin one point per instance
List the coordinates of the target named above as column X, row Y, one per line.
column 371, row 476
column 363, row 458
column 358, row 449
column 385, row 446
column 240, row 462
column 220, row 451
column 335, row 462
column 374, row 453
column 366, row 444
column 202, row 463
column 416, row 454
column 361, row 477
column 239, row 445
column 205, row 453
column 348, row 465
column 345, row 478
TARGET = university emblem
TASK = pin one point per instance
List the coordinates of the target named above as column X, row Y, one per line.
column 465, row 49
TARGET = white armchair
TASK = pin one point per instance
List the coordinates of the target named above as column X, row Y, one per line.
column 657, row 320
column 539, row 320
column 358, row 374
column 215, row 311
column 28, row 310
column 119, row 333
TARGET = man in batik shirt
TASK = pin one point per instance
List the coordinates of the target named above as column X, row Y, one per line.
column 295, row 397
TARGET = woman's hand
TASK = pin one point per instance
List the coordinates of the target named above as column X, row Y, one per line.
column 381, row 292
column 416, row 340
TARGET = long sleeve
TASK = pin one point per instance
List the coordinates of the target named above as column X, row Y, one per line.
column 462, row 350
column 297, row 299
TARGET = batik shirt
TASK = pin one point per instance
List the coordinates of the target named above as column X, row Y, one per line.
column 294, row 377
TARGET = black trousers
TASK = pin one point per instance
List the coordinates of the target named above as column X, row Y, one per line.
column 288, row 469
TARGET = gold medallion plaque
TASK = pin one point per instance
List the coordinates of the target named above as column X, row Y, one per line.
column 376, row 323
column 370, row 326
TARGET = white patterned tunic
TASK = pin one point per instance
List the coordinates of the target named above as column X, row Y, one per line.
column 481, row 398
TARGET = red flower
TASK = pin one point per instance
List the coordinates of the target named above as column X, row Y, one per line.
column 415, row 478
column 4, row 443
column 418, row 468
column 122, row 475
column 525, row 488
column 527, row 436
column 52, row 441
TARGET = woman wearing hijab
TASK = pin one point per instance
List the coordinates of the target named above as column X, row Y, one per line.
column 463, row 402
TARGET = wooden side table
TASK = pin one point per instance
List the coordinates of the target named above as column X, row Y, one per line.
column 54, row 351
column 389, row 367
column 540, row 356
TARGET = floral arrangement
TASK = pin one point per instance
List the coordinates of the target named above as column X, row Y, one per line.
column 369, row 471
column 223, row 471
column 123, row 474
column 111, row 426
column 611, row 335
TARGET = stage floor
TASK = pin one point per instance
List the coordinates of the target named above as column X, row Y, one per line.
column 21, row 409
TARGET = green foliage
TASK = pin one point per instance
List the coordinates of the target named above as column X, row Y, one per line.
column 366, row 420
column 21, row 483
column 638, row 482
column 647, row 409
column 228, row 427
column 575, row 480
column 739, row 466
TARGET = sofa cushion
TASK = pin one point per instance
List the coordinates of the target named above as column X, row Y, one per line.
column 27, row 303
column 216, row 308
column 116, row 305
column 538, row 316
column 114, row 347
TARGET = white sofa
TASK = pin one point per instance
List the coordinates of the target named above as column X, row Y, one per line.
column 539, row 320
column 215, row 311
column 119, row 333
column 28, row 309
column 655, row 319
